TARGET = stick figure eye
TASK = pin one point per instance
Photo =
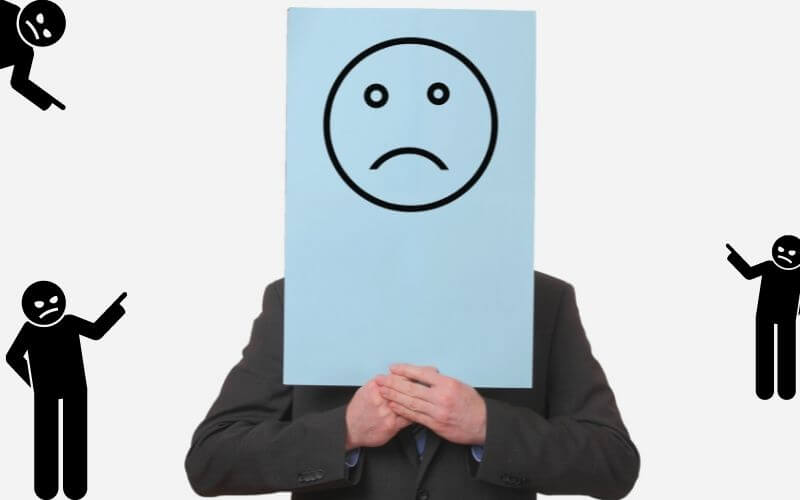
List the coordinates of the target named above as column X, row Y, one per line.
column 780, row 249
column 792, row 252
column 39, row 304
column 376, row 95
column 54, row 299
column 40, row 18
column 438, row 93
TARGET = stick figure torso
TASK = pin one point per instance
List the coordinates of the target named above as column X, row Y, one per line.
column 780, row 290
column 55, row 356
column 13, row 50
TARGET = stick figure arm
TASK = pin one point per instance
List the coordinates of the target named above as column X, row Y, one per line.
column 741, row 265
column 108, row 319
column 16, row 356
column 21, row 82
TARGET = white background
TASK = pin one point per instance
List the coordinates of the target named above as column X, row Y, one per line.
column 664, row 131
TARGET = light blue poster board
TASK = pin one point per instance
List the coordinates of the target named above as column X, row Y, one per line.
column 409, row 194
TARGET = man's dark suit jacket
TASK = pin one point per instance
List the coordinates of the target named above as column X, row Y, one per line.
column 564, row 436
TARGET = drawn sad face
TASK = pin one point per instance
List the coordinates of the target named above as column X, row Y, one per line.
column 410, row 124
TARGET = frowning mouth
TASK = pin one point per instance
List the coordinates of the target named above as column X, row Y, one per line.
column 54, row 309
column 30, row 25
column 408, row 151
column 787, row 259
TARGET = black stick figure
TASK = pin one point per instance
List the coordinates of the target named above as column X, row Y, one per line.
column 40, row 24
column 52, row 341
column 777, row 305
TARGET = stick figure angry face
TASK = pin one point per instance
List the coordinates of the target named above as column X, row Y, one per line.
column 41, row 23
column 43, row 303
column 786, row 252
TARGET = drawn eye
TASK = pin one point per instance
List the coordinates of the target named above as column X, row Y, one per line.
column 40, row 18
column 438, row 93
column 376, row 95
column 39, row 304
column 47, row 33
column 792, row 252
column 54, row 299
column 780, row 249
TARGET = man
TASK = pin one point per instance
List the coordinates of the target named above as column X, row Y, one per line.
column 416, row 433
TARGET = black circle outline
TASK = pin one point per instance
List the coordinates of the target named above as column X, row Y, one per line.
column 368, row 95
column 410, row 41
column 445, row 93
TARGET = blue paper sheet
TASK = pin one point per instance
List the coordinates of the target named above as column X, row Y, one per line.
column 409, row 194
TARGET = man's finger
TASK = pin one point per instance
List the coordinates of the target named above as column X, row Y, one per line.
column 419, row 418
column 402, row 421
column 412, row 403
column 426, row 374
column 729, row 247
column 406, row 386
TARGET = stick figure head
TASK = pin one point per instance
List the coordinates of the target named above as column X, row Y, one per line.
column 43, row 303
column 41, row 23
column 786, row 252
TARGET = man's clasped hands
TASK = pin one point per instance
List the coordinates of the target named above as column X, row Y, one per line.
column 415, row 394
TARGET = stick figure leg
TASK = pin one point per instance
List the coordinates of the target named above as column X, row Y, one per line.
column 45, row 445
column 765, row 358
column 75, row 444
column 787, row 354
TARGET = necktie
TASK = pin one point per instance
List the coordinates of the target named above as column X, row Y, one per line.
column 419, row 432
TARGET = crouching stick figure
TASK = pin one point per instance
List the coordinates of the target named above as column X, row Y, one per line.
column 51, row 340
column 777, row 305
column 40, row 24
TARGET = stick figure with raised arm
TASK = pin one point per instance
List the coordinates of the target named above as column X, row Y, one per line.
column 51, row 340
column 777, row 306
column 40, row 24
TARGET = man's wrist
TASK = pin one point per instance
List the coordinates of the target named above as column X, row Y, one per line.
column 350, row 443
column 480, row 438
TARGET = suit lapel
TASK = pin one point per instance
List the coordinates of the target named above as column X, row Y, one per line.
column 432, row 442
column 405, row 440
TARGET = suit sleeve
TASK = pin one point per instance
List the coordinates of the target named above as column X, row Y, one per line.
column 248, row 443
column 582, row 446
